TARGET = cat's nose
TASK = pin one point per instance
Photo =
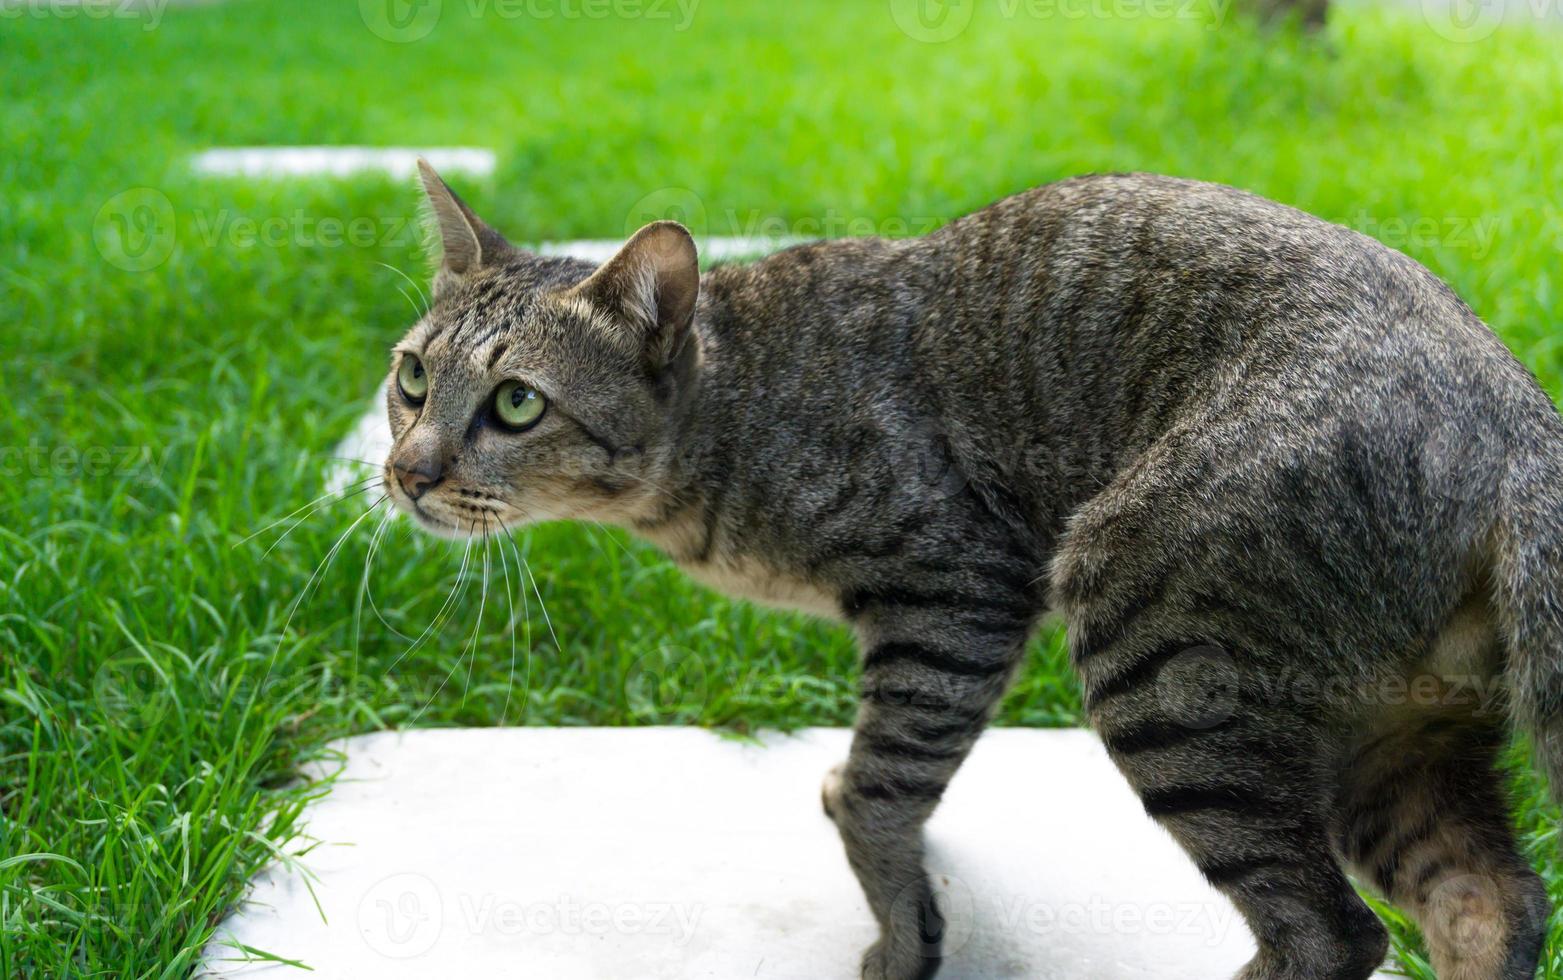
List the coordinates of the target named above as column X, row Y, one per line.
column 417, row 475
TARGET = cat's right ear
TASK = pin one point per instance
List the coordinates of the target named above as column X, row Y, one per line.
column 651, row 286
column 466, row 243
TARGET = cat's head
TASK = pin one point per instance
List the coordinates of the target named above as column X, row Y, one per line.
column 539, row 388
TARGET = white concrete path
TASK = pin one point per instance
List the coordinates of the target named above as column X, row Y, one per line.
column 339, row 161
column 579, row 854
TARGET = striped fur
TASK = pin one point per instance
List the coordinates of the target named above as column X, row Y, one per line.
column 1276, row 477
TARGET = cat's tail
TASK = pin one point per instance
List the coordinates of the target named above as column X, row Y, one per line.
column 1527, row 590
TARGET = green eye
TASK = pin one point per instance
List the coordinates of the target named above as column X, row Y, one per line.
column 518, row 406
column 411, row 378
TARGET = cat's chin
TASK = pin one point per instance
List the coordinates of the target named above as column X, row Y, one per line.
column 437, row 526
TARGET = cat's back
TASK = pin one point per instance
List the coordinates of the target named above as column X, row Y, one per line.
column 1224, row 251
column 1147, row 292
column 1053, row 336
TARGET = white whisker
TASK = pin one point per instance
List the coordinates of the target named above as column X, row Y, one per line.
column 313, row 578
column 356, row 487
column 374, row 549
column 510, row 627
column 415, row 286
column 482, row 603
column 526, row 613
column 527, row 566
column 365, row 591
column 471, row 644
column 449, row 598
column 615, row 539
column 659, row 488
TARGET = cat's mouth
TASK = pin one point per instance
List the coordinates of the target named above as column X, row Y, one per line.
column 455, row 518
column 428, row 520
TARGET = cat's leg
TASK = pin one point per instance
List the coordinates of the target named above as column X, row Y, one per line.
column 933, row 667
column 1424, row 819
column 1185, row 660
column 1242, row 786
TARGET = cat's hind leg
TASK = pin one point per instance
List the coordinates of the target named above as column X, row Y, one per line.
column 1424, row 819
column 1242, row 786
column 1187, row 639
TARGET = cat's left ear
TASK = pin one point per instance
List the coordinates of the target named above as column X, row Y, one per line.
column 466, row 243
column 651, row 286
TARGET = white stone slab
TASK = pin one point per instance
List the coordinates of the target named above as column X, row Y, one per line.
column 362, row 450
column 716, row 248
column 339, row 161
column 569, row 854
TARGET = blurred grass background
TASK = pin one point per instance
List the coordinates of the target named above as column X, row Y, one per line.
column 153, row 711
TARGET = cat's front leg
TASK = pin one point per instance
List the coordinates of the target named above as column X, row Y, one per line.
column 933, row 667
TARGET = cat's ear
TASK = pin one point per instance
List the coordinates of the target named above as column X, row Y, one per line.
column 651, row 285
column 466, row 243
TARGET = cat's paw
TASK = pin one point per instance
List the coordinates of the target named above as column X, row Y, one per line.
column 830, row 790
column 898, row 962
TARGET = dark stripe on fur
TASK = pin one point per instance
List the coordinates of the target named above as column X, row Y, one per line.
column 1384, row 871
column 901, row 694
column 894, row 748
column 1157, row 734
column 886, row 654
column 963, row 723
column 1095, row 639
column 891, row 788
column 855, row 602
column 1425, row 877
column 1234, row 870
column 1174, row 801
column 1142, row 669
column 891, row 543
column 712, row 518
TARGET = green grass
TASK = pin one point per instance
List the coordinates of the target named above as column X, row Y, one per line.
column 154, row 713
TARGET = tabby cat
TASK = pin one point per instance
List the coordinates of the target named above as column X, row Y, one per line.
column 1301, row 510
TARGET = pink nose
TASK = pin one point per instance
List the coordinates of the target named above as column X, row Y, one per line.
column 417, row 476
